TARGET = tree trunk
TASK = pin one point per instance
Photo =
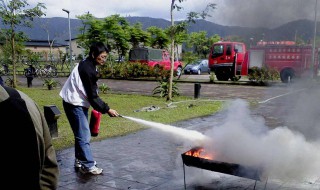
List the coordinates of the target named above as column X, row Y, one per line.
column 169, row 98
column 13, row 57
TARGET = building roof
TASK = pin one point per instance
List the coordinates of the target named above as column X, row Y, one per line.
column 42, row 43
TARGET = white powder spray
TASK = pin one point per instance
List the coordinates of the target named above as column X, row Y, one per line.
column 190, row 135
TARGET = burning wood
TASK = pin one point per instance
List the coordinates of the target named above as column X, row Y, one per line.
column 197, row 157
column 199, row 152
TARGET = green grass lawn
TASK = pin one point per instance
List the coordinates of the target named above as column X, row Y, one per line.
column 183, row 108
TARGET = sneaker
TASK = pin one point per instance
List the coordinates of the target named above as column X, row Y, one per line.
column 94, row 170
column 77, row 163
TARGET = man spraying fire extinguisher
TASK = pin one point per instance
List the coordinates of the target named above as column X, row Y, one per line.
column 79, row 92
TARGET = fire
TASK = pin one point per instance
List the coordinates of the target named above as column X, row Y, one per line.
column 199, row 152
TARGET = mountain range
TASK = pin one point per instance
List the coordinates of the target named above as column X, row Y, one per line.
column 56, row 28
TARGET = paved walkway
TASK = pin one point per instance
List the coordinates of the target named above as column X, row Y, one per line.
column 151, row 159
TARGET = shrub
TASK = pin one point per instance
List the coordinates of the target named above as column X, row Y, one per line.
column 163, row 89
column 129, row 70
column 211, row 77
column 263, row 75
column 50, row 83
column 104, row 88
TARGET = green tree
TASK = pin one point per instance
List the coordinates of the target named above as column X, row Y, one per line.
column 113, row 30
column 82, row 40
column 15, row 13
column 6, row 48
column 95, row 32
column 32, row 57
column 117, row 29
column 180, row 37
column 213, row 39
column 159, row 39
column 200, row 43
column 139, row 36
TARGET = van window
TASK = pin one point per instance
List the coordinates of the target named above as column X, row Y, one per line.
column 239, row 48
column 228, row 51
column 165, row 55
column 217, row 50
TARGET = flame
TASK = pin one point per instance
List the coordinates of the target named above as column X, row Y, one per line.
column 199, row 152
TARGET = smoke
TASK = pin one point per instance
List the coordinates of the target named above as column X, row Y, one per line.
column 246, row 140
column 265, row 13
column 290, row 151
column 305, row 112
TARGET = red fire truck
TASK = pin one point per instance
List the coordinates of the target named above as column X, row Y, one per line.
column 289, row 59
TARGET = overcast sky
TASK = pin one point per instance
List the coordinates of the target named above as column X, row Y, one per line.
column 252, row 13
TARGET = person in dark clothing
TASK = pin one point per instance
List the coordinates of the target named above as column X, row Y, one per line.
column 79, row 92
column 5, row 69
column 233, row 75
column 28, row 152
column 30, row 73
column 1, row 81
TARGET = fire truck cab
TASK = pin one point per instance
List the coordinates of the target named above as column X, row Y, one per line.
column 224, row 57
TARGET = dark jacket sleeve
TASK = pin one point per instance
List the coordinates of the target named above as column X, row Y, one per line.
column 88, row 75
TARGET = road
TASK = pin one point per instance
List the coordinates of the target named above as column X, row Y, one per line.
column 266, row 95
column 266, row 132
column 292, row 109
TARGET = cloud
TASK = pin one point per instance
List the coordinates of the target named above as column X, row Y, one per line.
column 252, row 13
column 101, row 8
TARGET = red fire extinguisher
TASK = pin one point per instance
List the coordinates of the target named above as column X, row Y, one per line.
column 95, row 122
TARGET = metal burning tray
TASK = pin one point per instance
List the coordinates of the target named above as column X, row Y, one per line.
column 190, row 159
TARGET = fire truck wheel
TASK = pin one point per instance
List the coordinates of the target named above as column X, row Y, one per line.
column 286, row 75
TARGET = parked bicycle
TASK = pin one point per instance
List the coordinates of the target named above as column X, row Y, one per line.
column 47, row 71
column 51, row 71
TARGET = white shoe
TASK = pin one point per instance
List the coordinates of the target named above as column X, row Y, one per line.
column 94, row 170
column 77, row 163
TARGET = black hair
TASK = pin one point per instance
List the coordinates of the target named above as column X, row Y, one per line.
column 97, row 48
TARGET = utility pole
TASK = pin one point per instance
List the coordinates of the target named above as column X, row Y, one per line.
column 70, row 48
column 314, row 41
